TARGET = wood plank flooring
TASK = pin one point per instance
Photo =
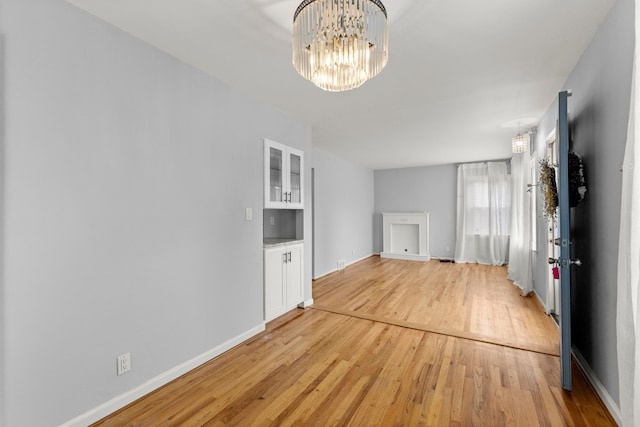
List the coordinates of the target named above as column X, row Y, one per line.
column 464, row 300
column 333, row 366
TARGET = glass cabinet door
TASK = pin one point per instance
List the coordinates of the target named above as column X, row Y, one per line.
column 276, row 175
column 295, row 164
column 283, row 176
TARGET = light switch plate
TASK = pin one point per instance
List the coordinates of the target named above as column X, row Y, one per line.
column 248, row 214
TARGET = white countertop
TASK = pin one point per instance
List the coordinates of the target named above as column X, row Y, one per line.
column 269, row 243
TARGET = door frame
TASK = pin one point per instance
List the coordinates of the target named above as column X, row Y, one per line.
column 552, row 233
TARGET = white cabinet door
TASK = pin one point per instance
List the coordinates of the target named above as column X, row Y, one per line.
column 283, row 279
column 283, row 176
column 274, row 279
column 294, row 275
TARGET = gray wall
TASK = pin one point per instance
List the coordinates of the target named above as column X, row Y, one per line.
column 343, row 212
column 599, row 113
column 2, row 235
column 127, row 175
column 429, row 188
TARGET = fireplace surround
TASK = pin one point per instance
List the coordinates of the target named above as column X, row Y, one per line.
column 405, row 235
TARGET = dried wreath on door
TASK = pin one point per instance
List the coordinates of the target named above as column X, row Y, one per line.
column 548, row 188
column 577, row 187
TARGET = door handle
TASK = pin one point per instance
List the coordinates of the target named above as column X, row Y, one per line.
column 554, row 261
column 289, row 257
column 285, row 258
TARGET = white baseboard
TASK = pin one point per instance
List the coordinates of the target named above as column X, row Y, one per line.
column 346, row 265
column 546, row 310
column 409, row 257
column 606, row 398
column 360, row 259
column 324, row 274
column 307, row 303
column 124, row 399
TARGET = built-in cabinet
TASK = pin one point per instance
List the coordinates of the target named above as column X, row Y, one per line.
column 283, row 217
column 283, row 180
column 283, row 279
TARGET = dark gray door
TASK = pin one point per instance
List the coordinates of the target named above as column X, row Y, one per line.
column 565, row 240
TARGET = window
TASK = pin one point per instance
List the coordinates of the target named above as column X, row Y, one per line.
column 488, row 203
column 483, row 213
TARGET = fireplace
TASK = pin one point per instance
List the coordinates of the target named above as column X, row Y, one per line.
column 405, row 235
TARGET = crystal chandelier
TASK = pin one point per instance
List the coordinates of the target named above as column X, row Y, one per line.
column 340, row 44
column 520, row 143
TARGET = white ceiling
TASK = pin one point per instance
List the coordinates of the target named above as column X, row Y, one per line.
column 461, row 75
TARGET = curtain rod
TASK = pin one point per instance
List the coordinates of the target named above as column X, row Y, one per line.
column 485, row 162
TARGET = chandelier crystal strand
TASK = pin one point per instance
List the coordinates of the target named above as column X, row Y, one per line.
column 339, row 44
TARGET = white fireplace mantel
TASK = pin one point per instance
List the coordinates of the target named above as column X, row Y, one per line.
column 405, row 235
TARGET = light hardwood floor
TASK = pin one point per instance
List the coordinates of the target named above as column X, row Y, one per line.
column 463, row 300
column 387, row 343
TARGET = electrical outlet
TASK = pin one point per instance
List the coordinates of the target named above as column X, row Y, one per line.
column 353, row 251
column 124, row 363
column 272, row 220
column 446, row 249
column 248, row 214
column 341, row 264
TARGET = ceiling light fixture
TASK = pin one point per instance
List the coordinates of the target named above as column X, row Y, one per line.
column 520, row 143
column 340, row 44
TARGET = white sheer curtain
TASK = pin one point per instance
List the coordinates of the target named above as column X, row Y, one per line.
column 483, row 213
column 520, row 241
column 627, row 326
